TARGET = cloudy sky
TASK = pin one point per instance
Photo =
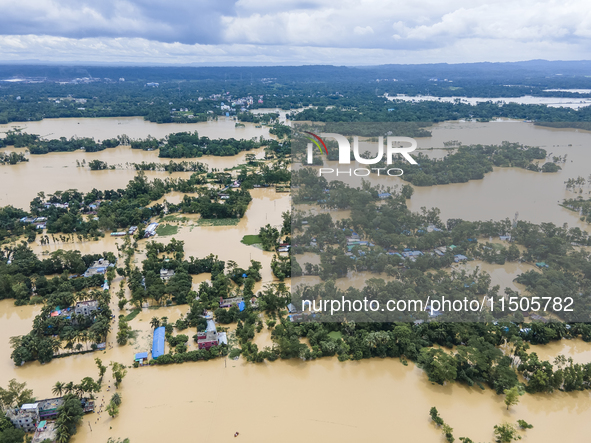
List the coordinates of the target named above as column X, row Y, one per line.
column 264, row 32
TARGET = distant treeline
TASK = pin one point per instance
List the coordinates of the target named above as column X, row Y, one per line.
column 574, row 125
column 378, row 109
column 36, row 145
column 371, row 128
column 257, row 118
column 187, row 144
column 118, row 92
column 172, row 166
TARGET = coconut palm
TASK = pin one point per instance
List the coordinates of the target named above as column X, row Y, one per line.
column 58, row 389
column 68, row 388
column 63, row 436
column 116, row 399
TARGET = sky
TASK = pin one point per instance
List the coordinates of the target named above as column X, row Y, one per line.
column 292, row 32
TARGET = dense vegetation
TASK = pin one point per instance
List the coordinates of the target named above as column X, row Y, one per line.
column 23, row 274
column 37, row 145
column 469, row 163
column 12, row 158
column 392, row 229
column 581, row 206
column 341, row 93
column 186, row 144
column 50, row 332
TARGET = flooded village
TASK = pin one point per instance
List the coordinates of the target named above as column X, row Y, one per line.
column 216, row 399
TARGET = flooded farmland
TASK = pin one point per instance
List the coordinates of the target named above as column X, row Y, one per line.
column 321, row 400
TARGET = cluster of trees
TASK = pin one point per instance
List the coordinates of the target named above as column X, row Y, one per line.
column 265, row 174
column 187, row 144
column 471, row 163
column 15, row 395
column 171, row 166
column 269, row 236
column 98, row 165
column 124, row 331
column 70, row 415
column 12, row 158
column 10, row 226
column 24, row 278
column 210, row 204
column 280, row 130
column 197, row 355
column 147, row 284
column 117, row 208
column 113, row 406
column 476, row 360
column 582, row 206
column 578, row 182
column 87, row 386
column 265, row 118
column 504, row 433
column 37, row 145
column 285, row 266
column 49, row 332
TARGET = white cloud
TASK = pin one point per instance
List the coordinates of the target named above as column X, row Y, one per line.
column 358, row 30
column 143, row 51
column 295, row 31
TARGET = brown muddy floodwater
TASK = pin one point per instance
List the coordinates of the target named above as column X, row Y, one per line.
column 20, row 183
column 291, row 401
column 505, row 191
column 134, row 127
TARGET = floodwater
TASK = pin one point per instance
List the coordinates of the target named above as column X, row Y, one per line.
column 553, row 102
column 61, row 171
column 323, row 400
column 579, row 350
column 506, row 191
column 502, row 275
column 134, row 127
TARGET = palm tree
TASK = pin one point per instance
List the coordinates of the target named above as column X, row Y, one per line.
column 69, row 387
column 63, row 436
column 58, row 389
column 56, row 345
column 116, row 399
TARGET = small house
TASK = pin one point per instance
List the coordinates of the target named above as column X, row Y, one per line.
column 141, row 358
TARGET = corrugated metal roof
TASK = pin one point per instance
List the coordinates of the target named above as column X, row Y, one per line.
column 158, row 342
